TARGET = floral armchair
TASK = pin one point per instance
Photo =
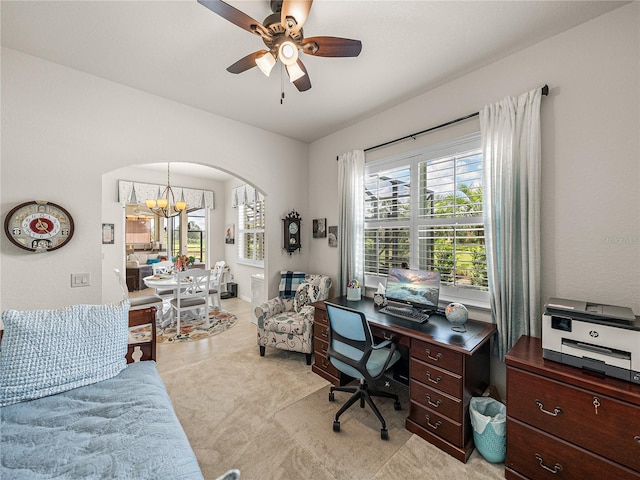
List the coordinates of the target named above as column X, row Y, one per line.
column 287, row 323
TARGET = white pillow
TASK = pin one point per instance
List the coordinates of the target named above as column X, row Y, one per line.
column 51, row 351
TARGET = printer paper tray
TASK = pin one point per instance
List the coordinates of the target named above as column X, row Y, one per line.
column 608, row 356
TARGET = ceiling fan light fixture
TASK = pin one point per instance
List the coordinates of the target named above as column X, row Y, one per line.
column 288, row 53
column 266, row 63
column 295, row 72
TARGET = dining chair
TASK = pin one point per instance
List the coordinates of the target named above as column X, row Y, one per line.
column 192, row 293
column 217, row 275
column 138, row 303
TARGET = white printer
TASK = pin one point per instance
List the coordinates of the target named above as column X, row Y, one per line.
column 604, row 339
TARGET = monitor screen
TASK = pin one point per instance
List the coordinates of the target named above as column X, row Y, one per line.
column 420, row 288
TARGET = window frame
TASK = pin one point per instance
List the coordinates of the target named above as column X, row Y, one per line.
column 240, row 234
column 412, row 158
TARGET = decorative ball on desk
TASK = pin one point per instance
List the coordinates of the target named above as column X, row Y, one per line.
column 457, row 314
column 379, row 299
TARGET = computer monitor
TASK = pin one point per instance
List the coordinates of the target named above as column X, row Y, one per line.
column 418, row 288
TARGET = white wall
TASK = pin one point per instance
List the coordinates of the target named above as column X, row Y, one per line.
column 590, row 154
column 62, row 130
column 590, row 171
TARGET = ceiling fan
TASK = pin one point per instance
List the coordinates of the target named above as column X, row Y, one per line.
column 282, row 33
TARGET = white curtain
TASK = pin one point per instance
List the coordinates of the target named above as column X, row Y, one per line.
column 511, row 149
column 350, row 218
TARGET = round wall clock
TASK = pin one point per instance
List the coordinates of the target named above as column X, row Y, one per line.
column 292, row 232
column 39, row 226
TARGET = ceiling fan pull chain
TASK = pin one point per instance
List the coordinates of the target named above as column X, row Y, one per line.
column 281, row 84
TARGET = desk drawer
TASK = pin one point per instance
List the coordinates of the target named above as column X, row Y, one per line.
column 320, row 346
column 613, row 430
column 386, row 335
column 436, row 424
column 435, row 377
column 321, row 317
column 321, row 332
column 324, row 364
column 535, row 454
column 436, row 355
column 436, row 400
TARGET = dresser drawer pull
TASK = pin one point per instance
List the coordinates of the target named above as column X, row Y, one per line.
column 555, row 412
column 637, row 439
column 323, row 349
column 437, row 380
column 325, row 364
column 431, row 357
column 387, row 337
column 437, row 403
column 555, row 469
column 325, row 334
column 436, row 425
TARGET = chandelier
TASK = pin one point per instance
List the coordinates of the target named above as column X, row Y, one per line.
column 166, row 204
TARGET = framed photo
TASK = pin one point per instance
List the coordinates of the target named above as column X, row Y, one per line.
column 229, row 234
column 333, row 236
column 320, row 228
column 107, row 233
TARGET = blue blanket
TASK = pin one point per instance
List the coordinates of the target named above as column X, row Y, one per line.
column 124, row 427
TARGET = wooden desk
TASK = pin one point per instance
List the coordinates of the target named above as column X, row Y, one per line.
column 446, row 369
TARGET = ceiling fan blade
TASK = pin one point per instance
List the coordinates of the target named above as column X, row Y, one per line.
column 234, row 15
column 331, row 47
column 298, row 9
column 303, row 83
column 245, row 63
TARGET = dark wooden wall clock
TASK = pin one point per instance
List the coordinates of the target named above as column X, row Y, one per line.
column 292, row 223
column 39, row 226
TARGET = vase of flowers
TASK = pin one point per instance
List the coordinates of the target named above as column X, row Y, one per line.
column 183, row 262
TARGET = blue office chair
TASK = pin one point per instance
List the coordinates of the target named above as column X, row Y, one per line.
column 352, row 351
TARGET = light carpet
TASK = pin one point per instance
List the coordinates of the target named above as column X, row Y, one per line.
column 197, row 328
column 270, row 417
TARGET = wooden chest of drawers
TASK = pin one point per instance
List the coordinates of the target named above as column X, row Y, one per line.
column 565, row 423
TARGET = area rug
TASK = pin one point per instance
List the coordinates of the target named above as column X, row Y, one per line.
column 197, row 328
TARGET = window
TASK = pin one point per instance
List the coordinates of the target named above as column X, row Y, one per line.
column 197, row 234
column 424, row 210
column 251, row 230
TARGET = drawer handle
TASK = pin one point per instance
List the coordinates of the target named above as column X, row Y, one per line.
column 325, row 364
column 555, row 469
column 324, row 349
column 387, row 337
column 437, row 403
column 437, row 380
column 324, row 334
column 436, row 425
column 431, row 357
column 637, row 439
column 555, row 412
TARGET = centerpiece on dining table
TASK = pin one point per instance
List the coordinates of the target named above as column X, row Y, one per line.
column 182, row 263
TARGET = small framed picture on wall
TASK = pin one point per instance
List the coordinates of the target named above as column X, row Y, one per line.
column 229, row 234
column 333, row 236
column 107, row 233
column 320, row 228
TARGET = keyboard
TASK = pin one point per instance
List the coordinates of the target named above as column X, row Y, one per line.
column 406, row 313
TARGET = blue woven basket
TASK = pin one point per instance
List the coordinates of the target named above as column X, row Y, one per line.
column 490, row 445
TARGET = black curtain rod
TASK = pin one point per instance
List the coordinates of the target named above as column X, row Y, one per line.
column 544, row 91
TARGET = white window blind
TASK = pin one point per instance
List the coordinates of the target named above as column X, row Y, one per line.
column 251, row 231
column 424, row 210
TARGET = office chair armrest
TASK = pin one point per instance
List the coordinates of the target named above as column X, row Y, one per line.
column 383, row 344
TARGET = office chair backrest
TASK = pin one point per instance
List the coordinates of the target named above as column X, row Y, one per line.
column 350, row 339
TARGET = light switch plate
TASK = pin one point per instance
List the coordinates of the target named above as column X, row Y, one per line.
column 80, row 280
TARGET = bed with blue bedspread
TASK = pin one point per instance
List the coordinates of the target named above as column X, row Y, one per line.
column 72, row 408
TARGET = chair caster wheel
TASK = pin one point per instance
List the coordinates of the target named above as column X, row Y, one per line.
column 384, row 434
column 332, row 397
column 397, row 406
column 336, row 426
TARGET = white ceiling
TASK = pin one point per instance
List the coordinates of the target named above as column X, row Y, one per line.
column 180, row 50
